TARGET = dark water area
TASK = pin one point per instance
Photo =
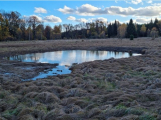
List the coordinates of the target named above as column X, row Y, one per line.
column 66, row 58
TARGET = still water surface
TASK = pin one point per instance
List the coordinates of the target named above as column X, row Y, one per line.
column 66, row 58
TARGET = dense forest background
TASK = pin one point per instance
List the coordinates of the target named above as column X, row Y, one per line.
column 14, row 27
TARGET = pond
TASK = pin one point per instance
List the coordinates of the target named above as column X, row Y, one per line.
column 66, row 58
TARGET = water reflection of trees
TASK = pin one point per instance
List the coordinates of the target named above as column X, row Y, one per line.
column 69, row 57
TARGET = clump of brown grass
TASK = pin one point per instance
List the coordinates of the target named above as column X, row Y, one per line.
column 3, row 106
column 55, row 89
column 64, row 82
column 82, row 103
column 75, row 92
column 4, row 94
column 68, row 117
column 29, row 113
column 26, row 90
column 53, row 114
column 25, row 111
column 45, row 82
column 26, row 117
column 31, row 95
column 93, row 112
column 47, row 97
column 71, row 108
column 70, row 100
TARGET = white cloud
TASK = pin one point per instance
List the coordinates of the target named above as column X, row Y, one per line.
column 131, row 1
column 89, row 10
column 71, row 18
column 40, row 10
column 82, row 20
column 113, row 21
column 52, row 18
column 84, row 10
column 150, row 1
column 104, row 20
column 142, row 20
column 136, row 1
column 27, row 17
column 39, row 18
column 66, row 10
column 156, row 4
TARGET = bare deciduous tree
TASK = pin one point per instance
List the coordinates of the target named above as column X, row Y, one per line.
column 33, row 21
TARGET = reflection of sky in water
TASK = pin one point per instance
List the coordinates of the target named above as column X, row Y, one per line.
column 54, row 71
column 68, row 57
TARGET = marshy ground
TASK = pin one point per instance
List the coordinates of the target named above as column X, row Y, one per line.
column 114, row 89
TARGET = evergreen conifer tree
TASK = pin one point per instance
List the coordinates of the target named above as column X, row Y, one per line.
column 155, row 23
column 131, row 30
column 115, row 28
column 151, row 24
column 109, row 30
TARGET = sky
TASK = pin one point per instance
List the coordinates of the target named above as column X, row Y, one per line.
column 53, row 12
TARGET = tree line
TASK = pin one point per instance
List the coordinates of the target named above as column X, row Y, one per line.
column 15, row 27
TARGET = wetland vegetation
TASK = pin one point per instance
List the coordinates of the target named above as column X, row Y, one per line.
column 127, row 88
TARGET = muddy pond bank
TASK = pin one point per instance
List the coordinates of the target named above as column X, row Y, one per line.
column 18, row 71
column 113, row 89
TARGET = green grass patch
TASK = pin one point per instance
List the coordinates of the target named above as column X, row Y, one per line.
column 102, row 84
column 143, row 113
column 86, row 99
column 120, row 106
column 10, row 113
column 3, row 94
column 41, row 107
column 147, row 117
column 149, row 74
